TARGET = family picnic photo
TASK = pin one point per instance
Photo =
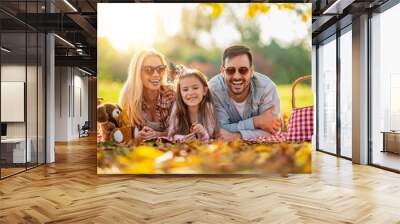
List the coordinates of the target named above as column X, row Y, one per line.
column 204, row 88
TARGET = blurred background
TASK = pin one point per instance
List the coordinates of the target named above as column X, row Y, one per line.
column 195, row 35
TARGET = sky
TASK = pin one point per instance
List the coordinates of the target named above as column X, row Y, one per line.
column 129, row 25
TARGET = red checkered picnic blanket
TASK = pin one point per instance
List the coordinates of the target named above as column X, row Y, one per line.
column 301, row 124
column 281, row 137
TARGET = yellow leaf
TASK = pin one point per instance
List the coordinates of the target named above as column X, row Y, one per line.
column 236, row 143
column 263, row 158
column 255, row 8
column 123, row 159
column 177, row 163
column 303, row 155
column 307, row 168
column 216, row 8
column 263, row 148
column 194, row 160
column 265, row 8
column 252, row 11
column 142, row 167
column 288, row 6
column 145, row 152
column 100, row 155
column 304, row 18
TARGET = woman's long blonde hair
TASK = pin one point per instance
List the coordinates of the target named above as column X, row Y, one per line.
column 131, row 95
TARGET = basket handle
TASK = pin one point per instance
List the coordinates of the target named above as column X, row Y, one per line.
column 306, row 77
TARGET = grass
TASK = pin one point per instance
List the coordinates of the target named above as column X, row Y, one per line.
column 304, row 97
column 109, row 91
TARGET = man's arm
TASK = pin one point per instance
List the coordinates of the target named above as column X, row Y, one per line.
column 243, row 129
column 244, row 134
column 271, row 98
column 269, row 112
column 259, row 122
column 252, row 127
column 249, row 134
column 223, row 119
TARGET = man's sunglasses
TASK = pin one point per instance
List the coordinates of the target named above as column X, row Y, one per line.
column 232, row 70
column 149, row 70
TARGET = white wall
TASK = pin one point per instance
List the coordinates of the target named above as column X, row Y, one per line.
column 12, row 73
column 61, row 103
column 80, row 102
column 70, row 83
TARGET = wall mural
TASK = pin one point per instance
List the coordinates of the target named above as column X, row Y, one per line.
column 204, row 88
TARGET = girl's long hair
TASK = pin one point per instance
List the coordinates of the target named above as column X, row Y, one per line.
column 180, row 118
column 131, row 95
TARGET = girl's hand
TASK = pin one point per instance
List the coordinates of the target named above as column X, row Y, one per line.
column 189, row 137
column 147, row 133
column 199, row 129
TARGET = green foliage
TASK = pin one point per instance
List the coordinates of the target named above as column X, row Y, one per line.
column 283, row 64
column 112, row 64
column 288, row 64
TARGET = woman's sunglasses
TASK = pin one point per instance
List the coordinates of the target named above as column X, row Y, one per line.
column 232, row 70
column 149, row 70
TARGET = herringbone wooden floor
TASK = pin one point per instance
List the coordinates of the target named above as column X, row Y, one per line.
column 70, row 191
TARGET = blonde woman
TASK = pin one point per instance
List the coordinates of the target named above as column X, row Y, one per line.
column 146, row 97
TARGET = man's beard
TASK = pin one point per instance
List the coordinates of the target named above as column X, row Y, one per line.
column 241, row 82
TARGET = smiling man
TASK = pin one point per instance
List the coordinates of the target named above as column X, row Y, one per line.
column 247, row 102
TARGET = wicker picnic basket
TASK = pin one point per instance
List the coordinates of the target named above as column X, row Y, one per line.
column 301, row 122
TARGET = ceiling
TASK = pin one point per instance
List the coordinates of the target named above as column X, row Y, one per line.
column 74, row 22
column 332, row 15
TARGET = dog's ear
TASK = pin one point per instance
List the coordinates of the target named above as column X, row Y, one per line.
column 102, row 115
column 118, row 106
column 171, row 71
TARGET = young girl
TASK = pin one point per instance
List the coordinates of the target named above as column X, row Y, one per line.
column 193, row 115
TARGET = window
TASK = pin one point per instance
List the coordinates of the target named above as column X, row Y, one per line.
column 22, row 68
column 385, row 87
column 346, row 93
column 327, row 96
